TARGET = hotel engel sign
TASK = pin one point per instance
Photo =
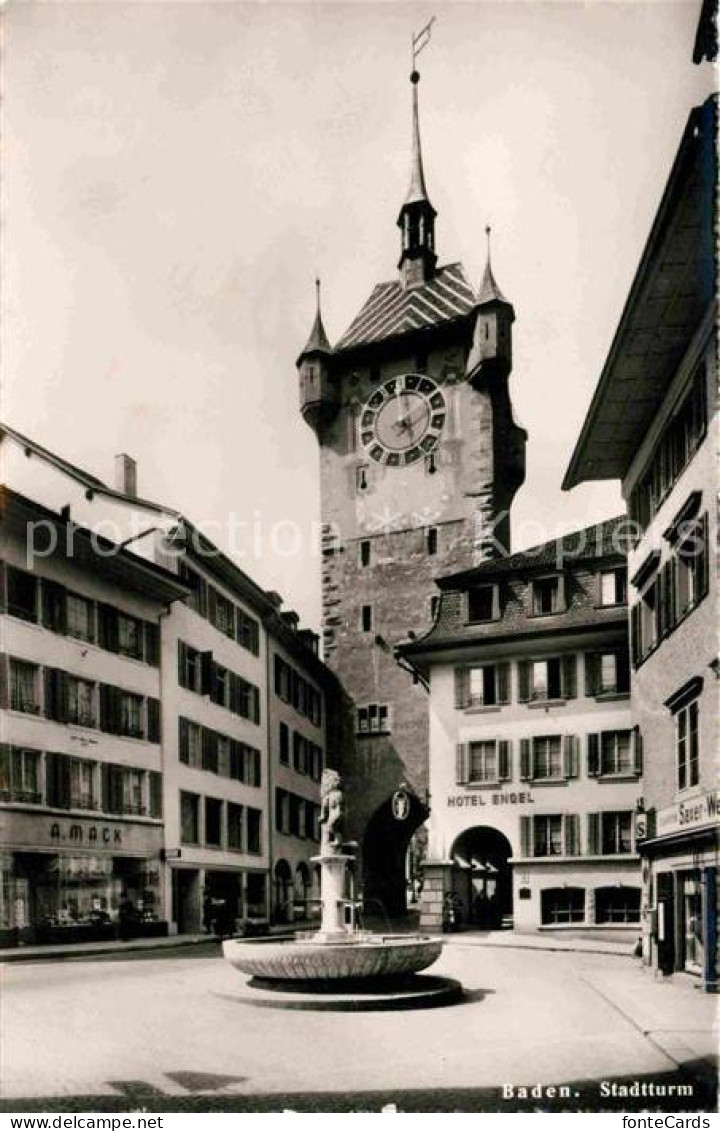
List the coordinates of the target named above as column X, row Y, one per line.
column 693, row 813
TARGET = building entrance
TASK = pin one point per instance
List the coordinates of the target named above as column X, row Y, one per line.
column 482, row 878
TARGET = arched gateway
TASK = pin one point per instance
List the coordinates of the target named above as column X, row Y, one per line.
column 385, row 853
column 482, row 876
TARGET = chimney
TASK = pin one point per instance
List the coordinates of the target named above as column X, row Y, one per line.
column 126, row 476
column 291, row 619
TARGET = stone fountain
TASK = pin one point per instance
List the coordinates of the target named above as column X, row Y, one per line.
column 339, row 967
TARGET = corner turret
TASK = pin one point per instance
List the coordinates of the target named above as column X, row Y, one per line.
column 491, row 350
column 318, row 399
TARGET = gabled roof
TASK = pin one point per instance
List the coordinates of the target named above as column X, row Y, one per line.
column 392, row 310
column 82, row 477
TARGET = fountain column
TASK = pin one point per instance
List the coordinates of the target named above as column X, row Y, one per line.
column 333, row 870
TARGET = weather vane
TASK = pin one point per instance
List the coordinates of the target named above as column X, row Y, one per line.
column 420, row 41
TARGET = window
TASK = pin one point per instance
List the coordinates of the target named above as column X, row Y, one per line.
column 24, row 692
column 430, row 463
column 235, row 826
column 687, row 745
column 189, row 747
column 548, row 595
column 248, row 632
column 484, row 686
column 189, row 667
column 299, row 752
column 373, row 719
column 650, row 616
column 483, row 604
column 552, row 678
column 678, row 443
column 20, row 775
column 131, row 715
column 189, row 818
column 220, row 685
column 82, row 782
column 80, row 617
column 562, row 905
column 22, row 591
column 213, row 822
column 156, row 794
column 607, row 673
column 197, row 599
column 284, row 744
column 130, row 637
column 81, row 702
column 361, row 478
column 613, row 587
column 122, row 789
column 366, row 618
column 70, row 783
column 691, row 567
column 616, row 752
column 483, row 761
column 615, row 833
column 210, row 750
column 547, row 836
column 617, row 905
column 431, row 540
column 364, row 553
column 547, row 757
column 254, row 831
column 434, row 607
column 282, row 811
column 221, row 612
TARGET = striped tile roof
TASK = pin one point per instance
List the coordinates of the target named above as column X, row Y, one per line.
column 391, row 310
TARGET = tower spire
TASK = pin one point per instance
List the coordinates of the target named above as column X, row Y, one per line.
column 318, row 340
column 417, row 215
column 489, row 290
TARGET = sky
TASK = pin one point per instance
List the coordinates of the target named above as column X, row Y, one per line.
column 177, row 174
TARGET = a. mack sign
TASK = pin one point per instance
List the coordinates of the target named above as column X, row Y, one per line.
column 694, row 813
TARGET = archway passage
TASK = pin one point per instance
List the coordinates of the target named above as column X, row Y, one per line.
column 483, row 877
column 385, row 847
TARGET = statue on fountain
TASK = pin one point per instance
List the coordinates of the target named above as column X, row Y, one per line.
column 332, row 814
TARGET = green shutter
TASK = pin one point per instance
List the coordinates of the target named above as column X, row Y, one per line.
column 152, row 643
column 153, row 720
column 571, row 834
column 703, row 570
column 637, row 746
column 593, row 755
column 569, row 676
column 593, row 834
column 525, row 760
column 461, row 688
column 635, row 635
column 462, row 763
column 503, row 682
column 504, row 760
column 4, row 681
column 592, row 665
column 525, row 836
column 524, row 681
column 570, row 767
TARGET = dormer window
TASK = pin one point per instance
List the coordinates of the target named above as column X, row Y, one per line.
column 548, row 595
column 483, row 603
column 613, row 587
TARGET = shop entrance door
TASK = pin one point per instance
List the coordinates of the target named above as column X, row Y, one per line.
column 693, row 924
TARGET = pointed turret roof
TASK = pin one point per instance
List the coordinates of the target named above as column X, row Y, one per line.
column 417, row 190
column 318, row 340
column 489, row 290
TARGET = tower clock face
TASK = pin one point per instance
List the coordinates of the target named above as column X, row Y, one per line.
column 403, row 419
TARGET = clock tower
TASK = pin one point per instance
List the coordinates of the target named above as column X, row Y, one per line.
column 420, row 459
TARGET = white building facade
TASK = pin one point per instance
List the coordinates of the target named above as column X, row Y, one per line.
column 534, row 763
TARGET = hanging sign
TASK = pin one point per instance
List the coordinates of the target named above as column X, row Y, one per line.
column 400, row 804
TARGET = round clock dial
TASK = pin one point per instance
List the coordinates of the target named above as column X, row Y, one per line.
column 403, row 419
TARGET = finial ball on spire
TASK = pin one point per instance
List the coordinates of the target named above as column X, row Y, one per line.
column 415, row 78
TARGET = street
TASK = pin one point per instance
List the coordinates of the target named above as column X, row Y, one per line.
column 168, row 1033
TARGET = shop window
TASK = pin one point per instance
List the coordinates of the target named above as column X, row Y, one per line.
column 81, row 702
column 189, row 818
column 613, row 587
column 254, row 830
column 24, row 687
column 22, row 594
column 235, row 826
column 687, row 745
column 130, row 636
column 213, row 822
column 256, row 898
column 80, row 618
column 617, row 905
column 483, row 604
column 562, row 905
column 20, row 775
column 548, row 595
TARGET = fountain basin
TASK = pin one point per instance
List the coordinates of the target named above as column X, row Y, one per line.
column 293, row 959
